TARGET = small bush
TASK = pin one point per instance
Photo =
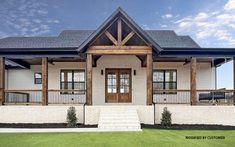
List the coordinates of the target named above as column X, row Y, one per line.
column 71, row 117
column 166, row 118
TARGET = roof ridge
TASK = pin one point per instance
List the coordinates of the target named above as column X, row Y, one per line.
column 158, row 30
column 12, row 37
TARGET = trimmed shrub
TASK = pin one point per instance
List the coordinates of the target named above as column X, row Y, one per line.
column 71, row 117
column 166, row 118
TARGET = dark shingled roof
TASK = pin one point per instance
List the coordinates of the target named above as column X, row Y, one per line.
column 169, row 39
column 74, row 38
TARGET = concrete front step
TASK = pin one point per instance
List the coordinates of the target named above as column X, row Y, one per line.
column 119, row 130
column 124, row 115
column 119, row 119
column 120, row 126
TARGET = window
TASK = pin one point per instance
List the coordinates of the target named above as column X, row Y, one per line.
column 72, row 80
column 164, row 79
column 37, row 78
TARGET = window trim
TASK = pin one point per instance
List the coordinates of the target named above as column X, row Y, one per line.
column 164, row 80
column 37, row 78
column 79, row 70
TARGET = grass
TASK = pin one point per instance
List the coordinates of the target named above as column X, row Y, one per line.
column 146, row 138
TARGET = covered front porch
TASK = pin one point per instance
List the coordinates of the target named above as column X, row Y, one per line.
column 63, row 81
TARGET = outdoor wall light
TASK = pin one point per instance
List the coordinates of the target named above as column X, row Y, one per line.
column 102, row 71
column 134, row 72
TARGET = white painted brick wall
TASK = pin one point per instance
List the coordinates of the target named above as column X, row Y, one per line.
column 181, row 114
column 186, row 114
column 37, row 114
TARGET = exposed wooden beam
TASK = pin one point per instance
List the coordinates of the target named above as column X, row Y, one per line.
column 2, row 80
column 119, row 50
column 149, row 70
column 106, row 47
column 143, row 60
column 20, row 63
column 119, row 32
column 94, row 60
column 110, row 36
column 135, row 32
column 128, row 37
column 45, row 81
column 89, row 79
column 104, row 31
column 193, row 83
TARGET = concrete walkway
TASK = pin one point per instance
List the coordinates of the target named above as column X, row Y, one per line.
column 58, row 130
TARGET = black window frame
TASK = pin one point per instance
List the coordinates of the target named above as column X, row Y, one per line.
column 165, row 82
column 73, row 83
column 35, row 78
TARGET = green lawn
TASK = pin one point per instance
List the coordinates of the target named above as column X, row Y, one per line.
column 148, row 137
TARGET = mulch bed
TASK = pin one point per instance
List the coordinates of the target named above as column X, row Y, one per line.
column 45, row 125
column 190, row 127
column 156, row 126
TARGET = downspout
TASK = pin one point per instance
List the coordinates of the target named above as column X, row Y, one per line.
column 84, row 113
column 154, row 113
column 215, row 77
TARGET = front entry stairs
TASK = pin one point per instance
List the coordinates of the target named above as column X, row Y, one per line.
column 119, row 119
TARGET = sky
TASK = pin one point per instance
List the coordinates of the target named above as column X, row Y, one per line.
column 211, row 23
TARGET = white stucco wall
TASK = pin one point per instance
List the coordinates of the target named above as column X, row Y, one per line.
column 124, row 61
column 23, row 78
column 186, row 114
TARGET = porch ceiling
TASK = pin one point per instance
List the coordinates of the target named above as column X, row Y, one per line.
column 197, row 52
column 25, row 63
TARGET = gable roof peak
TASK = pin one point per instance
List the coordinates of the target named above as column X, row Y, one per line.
column 119, row 12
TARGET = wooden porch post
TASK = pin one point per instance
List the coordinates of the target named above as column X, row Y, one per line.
column 193, row 83
column 149, row 79
column 44, row 81
column 234, row 80
column 89, row 79
column 2, row 80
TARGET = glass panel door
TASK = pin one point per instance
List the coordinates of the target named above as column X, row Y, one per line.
column 111, row 86
column 118, row 85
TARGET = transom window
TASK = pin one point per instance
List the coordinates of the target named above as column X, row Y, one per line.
column 72, row 80
column 164, row 80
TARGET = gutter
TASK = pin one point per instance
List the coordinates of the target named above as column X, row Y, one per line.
column 38, row 49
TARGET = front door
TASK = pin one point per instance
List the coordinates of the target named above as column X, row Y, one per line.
column 118, row 85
